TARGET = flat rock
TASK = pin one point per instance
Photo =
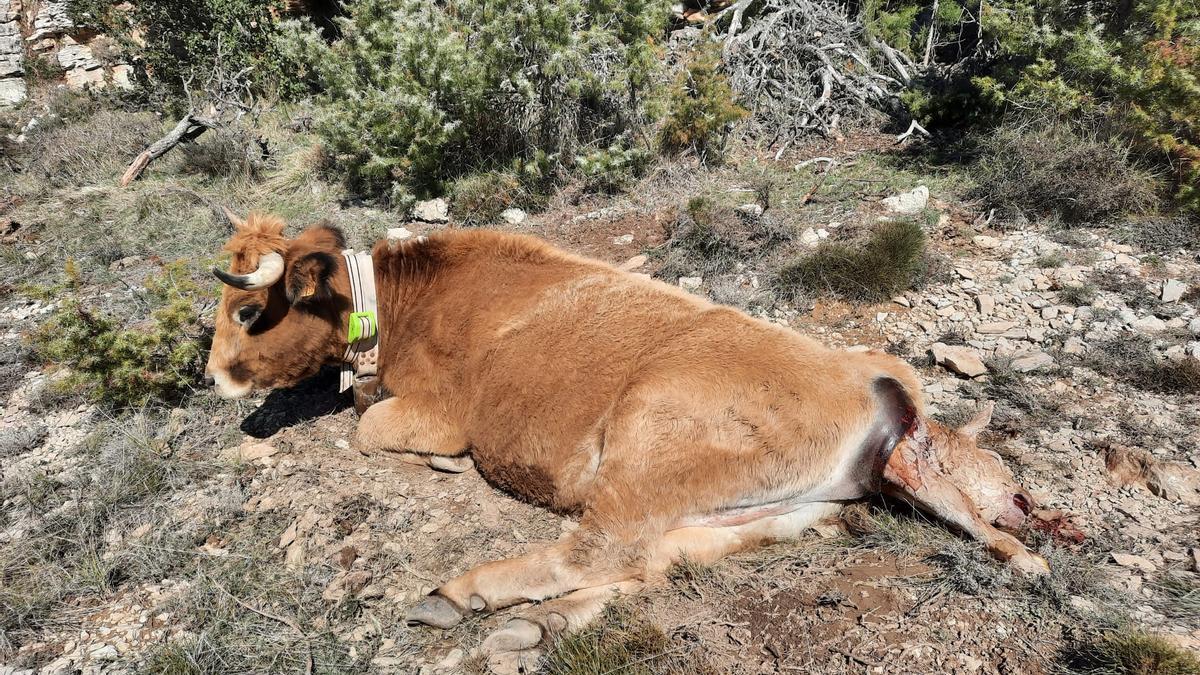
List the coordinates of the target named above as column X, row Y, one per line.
column 248, row 452
column 431, row 211
column 986, row 303
column 995, row 327
column 1031, row 362
column 634, row 262
column 623, row 240
column 1133, row 562
column 1173, row 290
column 1151, row 324
column 690, row 283
column 513, row 216
column 908, row 203
column 985, row 242
column 750, row 210
column 958, row 359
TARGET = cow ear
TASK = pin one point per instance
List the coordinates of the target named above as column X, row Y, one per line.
column 308, row 278
column 979, row 422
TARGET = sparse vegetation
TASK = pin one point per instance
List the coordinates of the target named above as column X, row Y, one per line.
column 479, row 199
column 1054, row 172
column 1133, row 360
column 708, row 238
column 889, row 260
column 1078, row 295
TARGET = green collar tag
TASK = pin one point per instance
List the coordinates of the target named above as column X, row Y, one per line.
column 363, row 326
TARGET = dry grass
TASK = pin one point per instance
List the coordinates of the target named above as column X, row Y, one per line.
column 624, row 640
column 479, row 199
column 1132, row 359
column 93, row 150
column 1078, row 295
column 1056, row 172
column 709, row 238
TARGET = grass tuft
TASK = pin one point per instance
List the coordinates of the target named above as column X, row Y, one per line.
column 1133, row 653
column 622, row 640
column 889, row 261
column 1132, row 360
column 1055, row 172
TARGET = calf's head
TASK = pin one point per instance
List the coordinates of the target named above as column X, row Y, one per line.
column 980, row 474
column 281, row 312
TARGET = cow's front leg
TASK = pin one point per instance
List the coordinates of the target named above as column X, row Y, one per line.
column 585, row 559
column 416, row 427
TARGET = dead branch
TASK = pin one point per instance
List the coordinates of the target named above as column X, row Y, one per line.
column 932, row 31
column 803, row 66
column 188, row 129
column 913, row 126
column 223, row 100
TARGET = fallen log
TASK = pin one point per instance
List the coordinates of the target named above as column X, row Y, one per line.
column 188, row 129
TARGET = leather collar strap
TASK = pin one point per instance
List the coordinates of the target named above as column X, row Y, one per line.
column 362, row 351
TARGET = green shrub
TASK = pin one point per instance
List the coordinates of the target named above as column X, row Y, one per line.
column 890, row 260
column 701, row 107
column 612, row 169
column 419, row 93
column 480, row 198
column 1129, row 65
column 158, row 360
column 172, row 44
column 1054, row 172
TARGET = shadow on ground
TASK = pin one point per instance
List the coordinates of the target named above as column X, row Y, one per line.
column 283, row 408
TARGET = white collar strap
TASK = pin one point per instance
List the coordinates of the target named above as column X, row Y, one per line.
column 362, row 351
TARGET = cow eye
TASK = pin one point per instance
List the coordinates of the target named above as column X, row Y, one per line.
column 247, row 314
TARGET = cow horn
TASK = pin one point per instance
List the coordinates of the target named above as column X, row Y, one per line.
column 270, row 269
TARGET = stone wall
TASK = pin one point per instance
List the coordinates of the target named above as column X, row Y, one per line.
column 12, row 54
column 44, row 29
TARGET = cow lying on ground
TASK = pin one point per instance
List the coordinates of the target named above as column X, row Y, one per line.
column 671, row 426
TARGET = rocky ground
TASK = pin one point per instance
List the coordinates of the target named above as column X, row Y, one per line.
column 249, row 536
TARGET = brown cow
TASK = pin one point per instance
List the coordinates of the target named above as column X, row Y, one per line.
column 671, row 426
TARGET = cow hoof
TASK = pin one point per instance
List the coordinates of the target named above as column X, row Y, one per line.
column 452, row 464
column 513, row 663
column 434, row 611
column 516, row 635
column 1030, row 564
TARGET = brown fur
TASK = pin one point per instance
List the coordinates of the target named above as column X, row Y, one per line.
column 597, row 392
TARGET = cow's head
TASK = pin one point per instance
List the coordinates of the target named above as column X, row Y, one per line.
column 979, row 473
column 282, row 309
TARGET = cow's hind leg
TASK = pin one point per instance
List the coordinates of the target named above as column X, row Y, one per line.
column 413, row 425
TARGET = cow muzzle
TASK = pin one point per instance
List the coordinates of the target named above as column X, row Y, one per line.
column 225, row 386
